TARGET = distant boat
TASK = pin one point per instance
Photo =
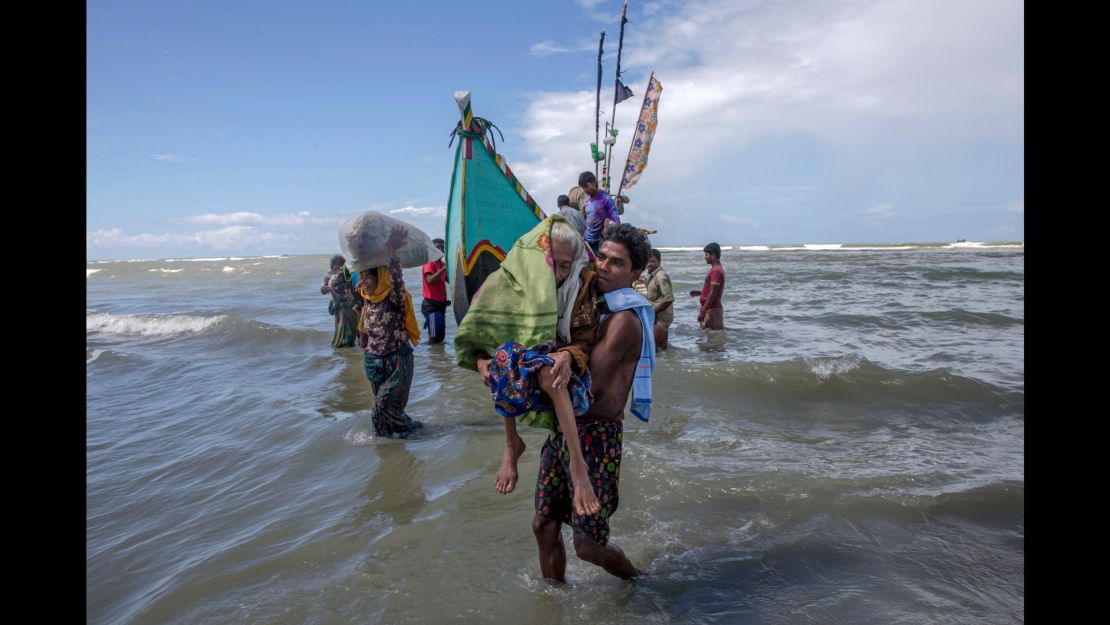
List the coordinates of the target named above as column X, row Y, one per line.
column 961, row 240
column 487, row 211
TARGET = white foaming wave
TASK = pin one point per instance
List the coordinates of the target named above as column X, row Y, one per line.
column 226, row 269
column 985, row 245
column 359, row 436
column 166, row 270
column 221, row 258
column 831, row 247
column 753, row 248
column 825, row 368
column 679, row 249
column 95, row 354
column 89, row 272
column 893, row 247
column 149, row 325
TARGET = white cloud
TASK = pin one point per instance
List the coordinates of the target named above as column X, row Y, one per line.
column 547, row 48
column 1017, row 207
column 116, row 237
column 653, row 8
column 429, row 219
column 224, row 219
column 236, row 236
column 251, row 232
column 850, row 76
column 740, row 221
column 302, row 218
column 231, row 237
column 172, row 158
column 435, row 211
column 883, row 210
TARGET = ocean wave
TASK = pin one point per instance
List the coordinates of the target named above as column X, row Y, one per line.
column 986, row 245
column 825, row 368
column 846, row 380
column 964, row 275
column 961, row 316
column 900, row 319
column 855, row 247
column 231, row 329
column 877, row 248
column 999, row 503
column 150, row 325
column 197, row 260
column 89, row 272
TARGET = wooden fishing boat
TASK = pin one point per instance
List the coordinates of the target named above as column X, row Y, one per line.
column 487, row 211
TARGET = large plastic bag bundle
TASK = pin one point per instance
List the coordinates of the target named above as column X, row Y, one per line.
column 363, row 238
column 578, row 197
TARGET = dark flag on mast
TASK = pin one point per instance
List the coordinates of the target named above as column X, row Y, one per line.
column 623, row 92
column 620, row 92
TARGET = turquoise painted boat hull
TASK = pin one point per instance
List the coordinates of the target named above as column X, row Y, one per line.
column 487, row 210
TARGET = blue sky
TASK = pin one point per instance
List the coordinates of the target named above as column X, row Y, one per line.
column 241, row 128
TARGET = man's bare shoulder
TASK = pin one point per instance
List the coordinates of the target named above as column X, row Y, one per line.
column 622, row 329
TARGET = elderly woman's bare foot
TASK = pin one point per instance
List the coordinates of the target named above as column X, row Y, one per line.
column 507, row 474
column 584, row 501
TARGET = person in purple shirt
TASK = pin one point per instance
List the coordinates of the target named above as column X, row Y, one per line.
column 600, row 210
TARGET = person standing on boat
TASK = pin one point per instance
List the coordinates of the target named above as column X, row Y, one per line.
column 434, row 277
column 342, row 304
column 576, row 217
column 600, row 210
column 711, row 316
column 390, row 325
column 661, row 296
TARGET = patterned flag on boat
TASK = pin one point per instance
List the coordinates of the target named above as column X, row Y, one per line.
column 645, row 130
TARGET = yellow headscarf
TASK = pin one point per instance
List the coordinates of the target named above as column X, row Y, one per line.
column 385, row 284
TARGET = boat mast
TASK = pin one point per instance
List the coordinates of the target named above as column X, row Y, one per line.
column 597, row 109
column 611, row 127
